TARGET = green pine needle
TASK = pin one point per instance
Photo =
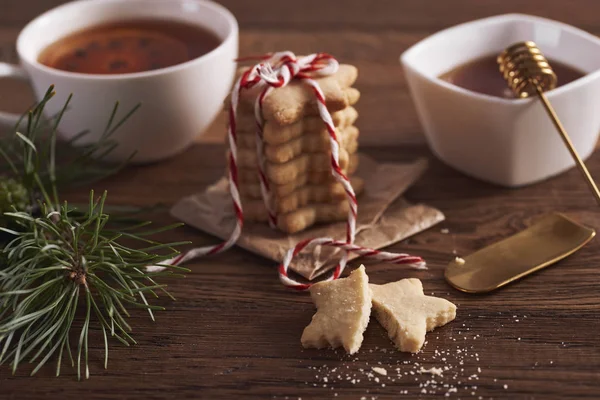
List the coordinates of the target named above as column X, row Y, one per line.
column 59, row 259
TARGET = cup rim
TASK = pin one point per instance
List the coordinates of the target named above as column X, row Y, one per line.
column 231, row 36
column 494, row 19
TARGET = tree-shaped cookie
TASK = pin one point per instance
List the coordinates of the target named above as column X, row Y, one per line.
column 343, row 310
column 407, row 314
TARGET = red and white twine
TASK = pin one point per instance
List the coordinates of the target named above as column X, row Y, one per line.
column 277, row 70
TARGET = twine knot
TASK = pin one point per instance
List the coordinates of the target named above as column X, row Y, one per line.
column 278, row 69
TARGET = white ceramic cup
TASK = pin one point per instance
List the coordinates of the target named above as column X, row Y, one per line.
column 504, row 141
column 177, row 103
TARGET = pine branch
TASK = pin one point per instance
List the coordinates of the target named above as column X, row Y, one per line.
column 81, row 164
column 50, row 261
column 59, row 259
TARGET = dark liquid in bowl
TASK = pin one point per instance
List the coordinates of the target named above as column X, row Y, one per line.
column 129, row 46
column 483, row 76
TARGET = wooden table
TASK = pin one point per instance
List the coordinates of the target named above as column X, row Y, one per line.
column 234, row 330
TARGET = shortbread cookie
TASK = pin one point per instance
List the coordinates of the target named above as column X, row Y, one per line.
column 329, row 190
column 285, row 153
column 347, row 139
column 407, row 314
column 302, row 218
column 289, row 171
column 247, row 158
column 288, row 104
column 306, row 195
column 288, row 116
column 343, row 310
column 250, row 175
column 252, row 190
column 276, row 134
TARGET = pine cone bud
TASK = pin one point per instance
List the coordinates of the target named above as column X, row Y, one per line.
column 12, row 194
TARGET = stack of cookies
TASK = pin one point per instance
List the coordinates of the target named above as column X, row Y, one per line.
column 297, row 152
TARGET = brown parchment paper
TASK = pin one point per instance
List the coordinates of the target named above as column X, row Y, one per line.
column 383, row 217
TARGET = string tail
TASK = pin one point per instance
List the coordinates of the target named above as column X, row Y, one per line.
column 392, row 258
column 245, row 80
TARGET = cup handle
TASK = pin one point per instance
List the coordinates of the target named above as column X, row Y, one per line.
column 14, row 72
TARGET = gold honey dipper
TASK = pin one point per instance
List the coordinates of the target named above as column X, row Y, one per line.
column 528, row 72
column 553, row 237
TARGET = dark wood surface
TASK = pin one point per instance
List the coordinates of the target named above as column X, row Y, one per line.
column 234, row 331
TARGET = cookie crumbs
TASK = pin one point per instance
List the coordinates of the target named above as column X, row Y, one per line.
column 432, row 371
column 380, row 370
column 459, row 260
column 456, row 375
column 505, row 386
column 445, row 231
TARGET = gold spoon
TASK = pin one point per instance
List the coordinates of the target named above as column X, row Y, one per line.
column 552, row 238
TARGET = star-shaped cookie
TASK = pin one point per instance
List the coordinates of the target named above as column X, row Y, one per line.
column 407, row 314
column 343, row 310
column 288, row 104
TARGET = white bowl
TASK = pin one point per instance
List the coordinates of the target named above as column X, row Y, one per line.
column 503, row 141
column 177, row 103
